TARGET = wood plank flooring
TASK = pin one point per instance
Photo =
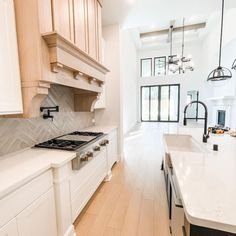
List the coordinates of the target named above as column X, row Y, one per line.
column 134, row 202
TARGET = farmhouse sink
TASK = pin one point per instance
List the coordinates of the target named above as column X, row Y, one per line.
column 179, row 143
column 182, row 143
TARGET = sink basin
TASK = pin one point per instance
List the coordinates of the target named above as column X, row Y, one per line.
column 182, row 143
column 179, row 143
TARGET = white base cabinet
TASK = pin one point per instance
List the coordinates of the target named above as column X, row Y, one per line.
column 112, row 156
column 39, row 218
column 9, row 229
column 30, row 210
column 85, row 182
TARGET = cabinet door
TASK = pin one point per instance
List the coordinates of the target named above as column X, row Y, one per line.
column 10, row 229
column 63, row 18
column 10, row 87
column 80, row 18
column 99, row 31
column 39, row 218
column 92, row 27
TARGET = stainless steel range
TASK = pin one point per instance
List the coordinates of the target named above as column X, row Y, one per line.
column 86, row 145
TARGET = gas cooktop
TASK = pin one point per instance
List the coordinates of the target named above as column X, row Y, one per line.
column 71, row 141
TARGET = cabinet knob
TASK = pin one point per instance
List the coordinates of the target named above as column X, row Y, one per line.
column 96, row 148
column 89, row 154
column 104, row 142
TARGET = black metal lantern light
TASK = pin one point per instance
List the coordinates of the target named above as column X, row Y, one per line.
column 220, row 73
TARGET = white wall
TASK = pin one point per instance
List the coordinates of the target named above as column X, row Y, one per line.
column 129, row 80
column 211, row 50
column 189, row 81
column 112, row 115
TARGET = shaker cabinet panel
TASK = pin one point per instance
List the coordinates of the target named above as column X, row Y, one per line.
column 10, row 87
column 9, row 229
column 92, row 27
column 39, row 218
column 99, row 32
column 80, row 23
column 45, row 16
column 63, row 18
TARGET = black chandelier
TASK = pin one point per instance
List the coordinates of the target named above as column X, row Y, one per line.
column 220, row 73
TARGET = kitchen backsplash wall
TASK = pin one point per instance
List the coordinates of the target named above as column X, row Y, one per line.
column 17, row 134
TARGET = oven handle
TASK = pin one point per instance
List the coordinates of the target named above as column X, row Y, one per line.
column 175, row 193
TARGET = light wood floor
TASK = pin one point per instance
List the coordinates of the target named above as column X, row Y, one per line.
column 134, row 201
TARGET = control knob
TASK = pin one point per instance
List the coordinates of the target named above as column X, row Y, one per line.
column 96, row 148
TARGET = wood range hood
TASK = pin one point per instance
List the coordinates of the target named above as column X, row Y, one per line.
column 49, row 56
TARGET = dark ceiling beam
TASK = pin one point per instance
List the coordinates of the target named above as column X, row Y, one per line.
column 175, row 30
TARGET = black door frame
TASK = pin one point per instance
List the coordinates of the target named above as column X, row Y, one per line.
column 159, row 103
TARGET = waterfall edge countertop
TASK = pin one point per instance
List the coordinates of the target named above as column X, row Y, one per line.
column 206, row 181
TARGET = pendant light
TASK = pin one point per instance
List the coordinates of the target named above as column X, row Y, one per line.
column 182, row 65
column 220, row 73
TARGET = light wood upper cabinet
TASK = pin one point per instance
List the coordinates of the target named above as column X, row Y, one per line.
column 92, row 28
column 63, row 18
column 10, row 88
column 80, row 24
column 99, row 32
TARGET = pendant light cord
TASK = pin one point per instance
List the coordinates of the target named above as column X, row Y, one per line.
column 183, row 40
column 221, row 33
column 171, row 30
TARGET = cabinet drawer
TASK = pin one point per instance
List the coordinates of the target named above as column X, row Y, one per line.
column 18, row 200
column 10, row 229
column 79, row 177
column 87, row 189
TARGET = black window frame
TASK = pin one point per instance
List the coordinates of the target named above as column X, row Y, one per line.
column 159, row 103
column 154, row 65
column 141, row 66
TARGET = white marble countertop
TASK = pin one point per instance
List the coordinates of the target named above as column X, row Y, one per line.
column 207, row 181
column 18, row 168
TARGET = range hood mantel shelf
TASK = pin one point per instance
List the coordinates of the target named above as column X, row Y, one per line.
column 64, row 54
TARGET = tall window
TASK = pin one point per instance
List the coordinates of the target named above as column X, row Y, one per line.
column 146, row 67
column 160, row 103
column 159, row 66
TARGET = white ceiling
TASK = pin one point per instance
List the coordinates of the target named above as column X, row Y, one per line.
column 150, row 15
column 141, row 13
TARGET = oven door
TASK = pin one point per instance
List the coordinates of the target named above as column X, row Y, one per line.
column 175, row 206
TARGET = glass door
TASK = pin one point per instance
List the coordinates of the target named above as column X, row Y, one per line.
column 160, row 103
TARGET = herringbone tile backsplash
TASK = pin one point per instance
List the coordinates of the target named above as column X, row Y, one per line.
column 17, row 134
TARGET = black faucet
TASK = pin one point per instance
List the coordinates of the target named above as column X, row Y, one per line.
column 48, row 110
column 206, row 134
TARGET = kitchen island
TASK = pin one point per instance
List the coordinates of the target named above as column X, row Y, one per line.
column 206, row 182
